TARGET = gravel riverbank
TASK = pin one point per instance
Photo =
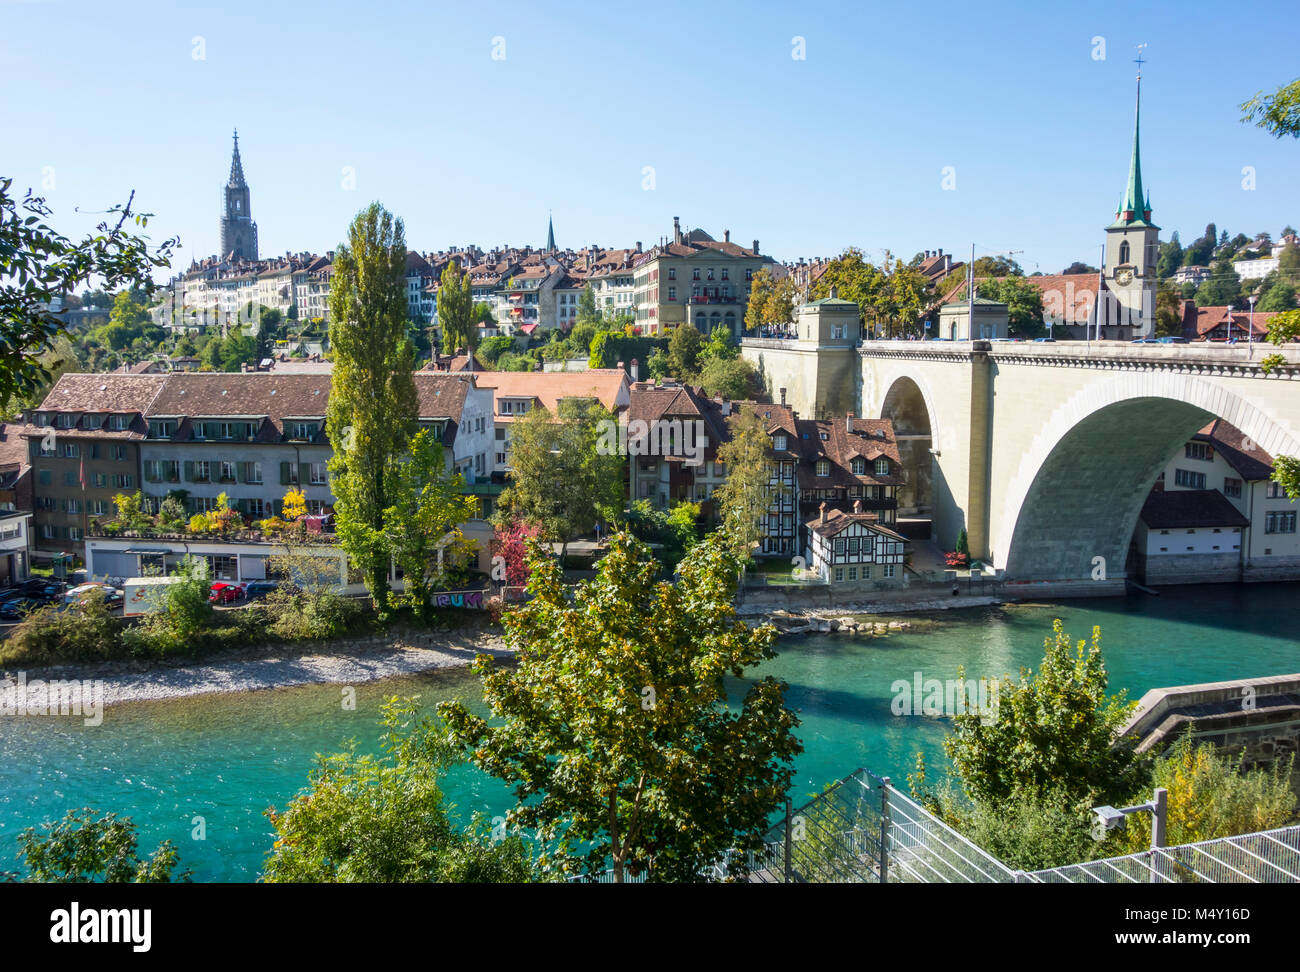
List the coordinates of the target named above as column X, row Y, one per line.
column 249, row 670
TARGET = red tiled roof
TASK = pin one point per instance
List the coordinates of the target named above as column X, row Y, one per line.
column 1237, row 450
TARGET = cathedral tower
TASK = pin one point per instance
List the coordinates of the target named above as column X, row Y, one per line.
column 238, row 231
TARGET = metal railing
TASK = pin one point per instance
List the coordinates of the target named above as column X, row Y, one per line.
column 1269, row 856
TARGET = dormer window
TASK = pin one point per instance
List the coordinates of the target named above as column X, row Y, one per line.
column 823, row 467
column 67, row 421
column 302, row 430
column 859, row 466
column 779, row 443
column 119, row 423
column 824, row 436
column 882, row 467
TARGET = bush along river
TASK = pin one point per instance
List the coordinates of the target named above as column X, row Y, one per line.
column 210, row 765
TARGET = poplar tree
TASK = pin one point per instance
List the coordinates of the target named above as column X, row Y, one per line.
column 372, row 405
column 456, row 310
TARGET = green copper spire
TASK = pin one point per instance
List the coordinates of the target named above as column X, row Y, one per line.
column 1134, row 199
column 1135, row 209
column 550, row 234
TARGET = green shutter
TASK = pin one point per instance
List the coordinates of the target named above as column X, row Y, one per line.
column 284, row 474
column 241, row 472
column 304, row 473
column 189, row 470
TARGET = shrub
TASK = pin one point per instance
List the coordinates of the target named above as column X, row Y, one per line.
column 57, row 634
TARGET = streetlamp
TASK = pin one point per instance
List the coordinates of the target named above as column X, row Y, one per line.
column 1109, row 818
column 1250, row 338
column 1230, row 323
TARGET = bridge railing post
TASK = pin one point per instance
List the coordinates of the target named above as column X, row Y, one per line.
column 884, row 830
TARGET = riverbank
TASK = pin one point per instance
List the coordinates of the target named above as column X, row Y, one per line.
column 344, row 662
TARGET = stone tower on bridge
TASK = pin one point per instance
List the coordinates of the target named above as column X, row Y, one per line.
column 238, row 231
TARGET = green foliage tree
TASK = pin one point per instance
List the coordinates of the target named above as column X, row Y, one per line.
column 492, row 348
column 744, row 497
column 455, row 310
column 732, row 378
column 384, row 818
column 673, row 530
column 1170, row 259
column 372, row 403
column 1169, row 312
column 613, row 726
column 39, row 267
column 853, row 278
column 427, row 502
column 1277, row 113
column 1054, row 730
column 1210, row 794
column 1024, row 304
column 566, row 474
column 997, row 266
column 1223, row 286
column 684, row 347
column 588, row 312
column 86, row 848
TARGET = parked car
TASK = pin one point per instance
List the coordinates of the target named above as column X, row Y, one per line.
column 1181, row 340
column 254, row 590
column 17, row 608
column 1145, row 341
column 1044, row 340
column 225, row 593
column 36, row 588
column 78, row 594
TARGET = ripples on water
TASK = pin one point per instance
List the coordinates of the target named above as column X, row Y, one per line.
column 227, row 758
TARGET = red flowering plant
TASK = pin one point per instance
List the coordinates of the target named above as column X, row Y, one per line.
column 510, row 554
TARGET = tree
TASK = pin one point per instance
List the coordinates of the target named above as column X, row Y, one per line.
column 1024, row 304
column 760, row 293
column 1222, row 286
column 744, row 497
column 851, row 277
column 613, row 725
column 421, row 522
column 455, row 310
column 588, row 313
column 372, row 403
column 1170, row 259
column 1169, row 312
column 731, row 378
column 39, row 267
column 384, row 819
column 1210, row 794
column 1199, row 253
column 1054, row 730
column 563, row 476
column 85, row 848
column 1277, row 113
column 997, row 266
column 1078, row 267
column 683, row 349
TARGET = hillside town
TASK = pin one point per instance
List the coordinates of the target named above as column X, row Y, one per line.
column 398, row 559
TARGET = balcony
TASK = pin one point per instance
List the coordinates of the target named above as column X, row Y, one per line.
column 713, row 300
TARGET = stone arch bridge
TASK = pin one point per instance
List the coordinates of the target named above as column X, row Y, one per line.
column 1045, row 453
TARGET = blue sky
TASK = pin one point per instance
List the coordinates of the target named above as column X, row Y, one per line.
column 845, row 147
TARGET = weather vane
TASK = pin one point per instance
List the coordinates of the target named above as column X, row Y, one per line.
column 1139, row 60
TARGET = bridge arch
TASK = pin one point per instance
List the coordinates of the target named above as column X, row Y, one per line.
column 1078, row 491
column 909, row 405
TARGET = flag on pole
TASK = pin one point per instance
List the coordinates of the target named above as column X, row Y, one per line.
column 82, row 474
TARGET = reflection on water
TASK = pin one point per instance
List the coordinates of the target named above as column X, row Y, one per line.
column 226, row 758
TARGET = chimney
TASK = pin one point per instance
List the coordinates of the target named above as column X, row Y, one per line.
column 821, row 519
column 677, row 230
column 726, row 236
column 636, row 371
column 756, row 246
column 726, row 409
column 638, row 246
column 848, row 423
column 940, row 251
column 783, row 396
column 857, row 506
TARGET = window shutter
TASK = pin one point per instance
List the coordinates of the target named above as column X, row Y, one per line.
column 189, row 470
column 304, row 473
column 284, row 474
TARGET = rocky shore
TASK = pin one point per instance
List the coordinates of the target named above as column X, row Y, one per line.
column 342, row 662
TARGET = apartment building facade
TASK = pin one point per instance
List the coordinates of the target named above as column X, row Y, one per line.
column 695, row 278
column 84, row 448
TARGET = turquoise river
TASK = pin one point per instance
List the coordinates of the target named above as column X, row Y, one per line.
column 227, row 758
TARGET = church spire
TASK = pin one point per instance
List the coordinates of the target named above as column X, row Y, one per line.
column 550, row 233
column 236, row 167
column 1135, row 207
